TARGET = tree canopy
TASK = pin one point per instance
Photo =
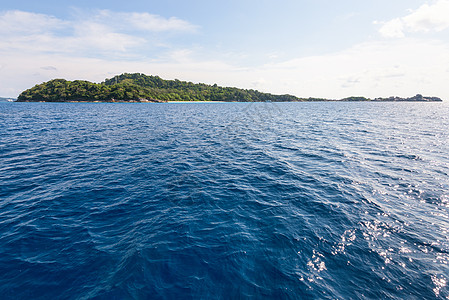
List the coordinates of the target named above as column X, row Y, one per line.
column 140, row 87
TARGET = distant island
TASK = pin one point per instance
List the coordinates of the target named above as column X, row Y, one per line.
column 138, row 87
column 2, row 99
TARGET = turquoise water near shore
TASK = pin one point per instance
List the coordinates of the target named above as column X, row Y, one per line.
column 224, row 200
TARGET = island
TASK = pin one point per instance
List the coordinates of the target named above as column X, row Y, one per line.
column 137, row 87
column 3, row 99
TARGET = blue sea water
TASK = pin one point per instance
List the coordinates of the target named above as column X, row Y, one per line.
column 224, row 201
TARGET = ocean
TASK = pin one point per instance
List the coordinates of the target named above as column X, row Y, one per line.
column 322, row 200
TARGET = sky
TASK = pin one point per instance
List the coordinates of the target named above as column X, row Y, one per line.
column 307, row 48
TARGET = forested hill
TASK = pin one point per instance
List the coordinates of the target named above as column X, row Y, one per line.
column 142, row 88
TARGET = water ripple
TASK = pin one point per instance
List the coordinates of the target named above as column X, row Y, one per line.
column 224, row 200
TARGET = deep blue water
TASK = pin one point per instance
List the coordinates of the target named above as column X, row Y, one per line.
column 224, row 201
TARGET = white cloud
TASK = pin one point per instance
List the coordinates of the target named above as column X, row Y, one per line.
column 427, row 18
column 17, row 22
column 104, row 33
column 49, row 68
column 31, row 42
column 403, row 67
column 142, row 21
column 21, row 71
column 149, row 22
column 393, row 29
column 97, row 36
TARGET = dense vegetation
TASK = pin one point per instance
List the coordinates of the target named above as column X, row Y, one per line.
column 140, row 87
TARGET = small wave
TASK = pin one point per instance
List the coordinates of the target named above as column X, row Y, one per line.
column 231, row 200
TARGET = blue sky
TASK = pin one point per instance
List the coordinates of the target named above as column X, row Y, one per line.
column 309, row 48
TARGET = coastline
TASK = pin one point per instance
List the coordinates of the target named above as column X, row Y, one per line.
column 210, row 101
column 141, row 88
